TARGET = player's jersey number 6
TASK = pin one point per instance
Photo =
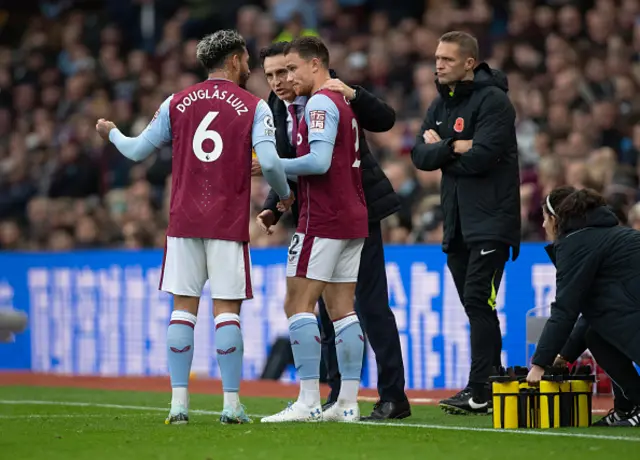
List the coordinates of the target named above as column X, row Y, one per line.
column 202, row 134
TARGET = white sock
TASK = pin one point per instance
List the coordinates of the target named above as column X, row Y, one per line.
column 179, row 397
column 231, row 400
column 348, row 392
column 310, row 392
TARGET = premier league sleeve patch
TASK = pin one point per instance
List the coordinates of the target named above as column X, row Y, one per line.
column 269, row 127
column 317, row 121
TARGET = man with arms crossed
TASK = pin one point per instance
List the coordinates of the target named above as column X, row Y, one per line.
column 469, row 134
column 324, row 255
column 213, row 126
column 372, row 297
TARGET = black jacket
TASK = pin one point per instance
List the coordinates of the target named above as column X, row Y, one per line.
column 374, row 115
column 480, row 189
column 576, row 344
column 598, row 275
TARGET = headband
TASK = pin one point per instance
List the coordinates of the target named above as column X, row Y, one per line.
column 551, row 210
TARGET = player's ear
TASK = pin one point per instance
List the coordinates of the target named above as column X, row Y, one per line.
column 315, row 64
column 234, row 62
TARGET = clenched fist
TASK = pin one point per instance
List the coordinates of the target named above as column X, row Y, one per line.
column 104, row 127
column 285, row 204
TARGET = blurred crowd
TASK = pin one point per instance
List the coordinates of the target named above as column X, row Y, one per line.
column 573, row 69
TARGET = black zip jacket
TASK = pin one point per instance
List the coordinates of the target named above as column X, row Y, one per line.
column 373, row 115
column 598, row 275
column 480, row 189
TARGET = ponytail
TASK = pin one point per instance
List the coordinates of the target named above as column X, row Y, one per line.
column 573, row 210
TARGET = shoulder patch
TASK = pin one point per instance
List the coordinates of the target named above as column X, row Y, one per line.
column 268, row 122
column 269, row 127
column 317, row 120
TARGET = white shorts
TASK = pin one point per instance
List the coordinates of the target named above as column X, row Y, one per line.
column 324, row 259
column 190, row 262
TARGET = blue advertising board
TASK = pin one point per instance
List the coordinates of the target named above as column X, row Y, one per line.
column 100, row 313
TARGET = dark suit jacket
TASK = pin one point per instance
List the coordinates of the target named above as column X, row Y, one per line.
column 373, row 115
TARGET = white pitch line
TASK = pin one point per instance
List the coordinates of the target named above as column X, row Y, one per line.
column 47, row 416
column 104, row 406
column 564, row 434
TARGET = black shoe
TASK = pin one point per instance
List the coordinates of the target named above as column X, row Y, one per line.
column 610, row 419
column 629, row 419
column 327, row 405
column 387, row 410
column 464, row 404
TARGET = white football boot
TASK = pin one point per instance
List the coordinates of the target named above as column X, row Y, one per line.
column 342, row 413
column 296, row 412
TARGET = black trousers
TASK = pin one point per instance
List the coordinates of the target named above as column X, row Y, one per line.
column 477, row 272
column 620, row 400
column 619, row 366
column 377, row 321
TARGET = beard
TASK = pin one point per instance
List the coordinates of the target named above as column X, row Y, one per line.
column 244, row 78
column 303, row 89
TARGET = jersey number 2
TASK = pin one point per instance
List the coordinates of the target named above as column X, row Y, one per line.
column 354, row 125
column 202, row 134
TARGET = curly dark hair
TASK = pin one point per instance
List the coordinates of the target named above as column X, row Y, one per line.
column 215, row 48
column 574, row 209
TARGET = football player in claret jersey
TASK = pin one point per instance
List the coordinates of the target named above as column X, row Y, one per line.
column 213, row 125
column 324, row 255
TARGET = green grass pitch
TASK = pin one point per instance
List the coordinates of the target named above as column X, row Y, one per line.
column 72, row 423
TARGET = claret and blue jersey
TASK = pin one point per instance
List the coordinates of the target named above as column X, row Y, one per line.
column 213, row 127
column 331, row 199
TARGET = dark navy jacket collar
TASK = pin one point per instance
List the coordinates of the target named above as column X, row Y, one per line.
column 551, row 252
